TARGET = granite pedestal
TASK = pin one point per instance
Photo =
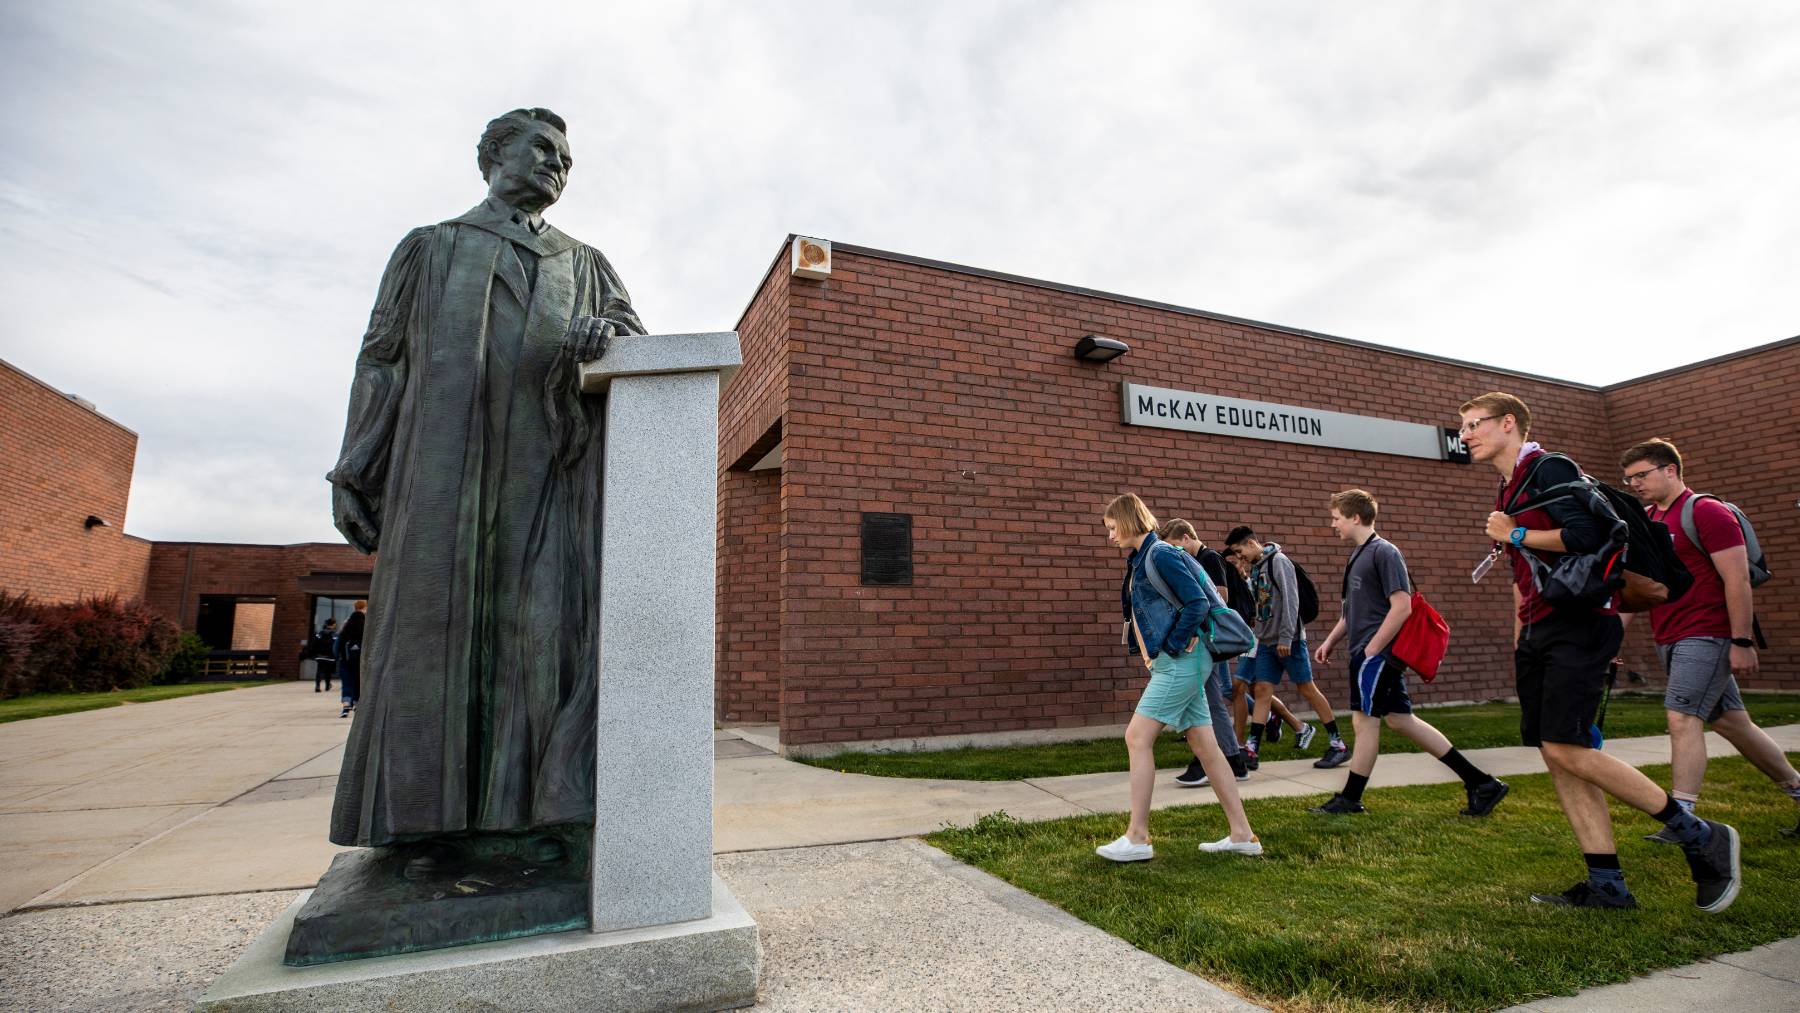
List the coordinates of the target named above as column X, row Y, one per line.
column 710, row 964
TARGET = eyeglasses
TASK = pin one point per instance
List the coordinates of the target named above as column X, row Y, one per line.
column 1634, row 477
column 1474, row 424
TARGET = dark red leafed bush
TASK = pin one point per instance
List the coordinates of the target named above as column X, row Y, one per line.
column 16, row 638
column 88, row 646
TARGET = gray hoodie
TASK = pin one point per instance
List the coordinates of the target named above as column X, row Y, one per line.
column 1277, row 594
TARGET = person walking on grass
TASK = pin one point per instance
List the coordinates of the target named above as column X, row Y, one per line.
column 1239, row 693
column 1182, row 535
column 1281, row 643
column 1165, row 635
column 1705, row 637
column 1377, row 599
column 1561, row 654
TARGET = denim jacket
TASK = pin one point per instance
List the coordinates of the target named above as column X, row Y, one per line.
column 1166, row 629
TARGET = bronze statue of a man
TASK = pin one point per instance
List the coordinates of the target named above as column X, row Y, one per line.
column 473, row 463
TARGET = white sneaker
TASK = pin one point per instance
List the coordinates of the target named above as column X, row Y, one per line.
column 1122, row 850
column 1253, row 846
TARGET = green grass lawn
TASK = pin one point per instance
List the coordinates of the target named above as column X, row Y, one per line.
column 43, row 705
column 1474, row 726
column 1409, row 907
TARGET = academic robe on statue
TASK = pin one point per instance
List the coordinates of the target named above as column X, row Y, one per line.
column 479, row 463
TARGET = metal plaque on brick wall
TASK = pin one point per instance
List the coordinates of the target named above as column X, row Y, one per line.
column 1196, row 412
column 887, row 549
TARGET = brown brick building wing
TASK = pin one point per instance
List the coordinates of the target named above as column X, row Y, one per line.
column 950, row 394
column 65, row 481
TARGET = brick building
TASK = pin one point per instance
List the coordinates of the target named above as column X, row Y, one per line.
column 65, row 479
column 897, row 390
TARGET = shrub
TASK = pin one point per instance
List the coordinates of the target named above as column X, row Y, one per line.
column 98, row 644
column 188, row 662
column 16, row 638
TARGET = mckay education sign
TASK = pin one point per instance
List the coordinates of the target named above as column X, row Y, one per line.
column 1262, row 420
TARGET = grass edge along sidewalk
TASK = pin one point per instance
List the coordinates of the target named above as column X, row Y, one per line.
column 1408, row 907
column 1469, row 726
column 43, row 705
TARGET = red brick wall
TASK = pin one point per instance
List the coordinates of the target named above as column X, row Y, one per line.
column 955, row 398
column 59, row 463
column 749, row 632
column 1734, row 424
column 747, row 645
column 180, row 572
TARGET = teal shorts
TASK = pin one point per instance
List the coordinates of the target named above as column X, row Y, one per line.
column 1176, row 695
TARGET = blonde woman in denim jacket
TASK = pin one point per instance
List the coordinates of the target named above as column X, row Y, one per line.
column 1166, row 638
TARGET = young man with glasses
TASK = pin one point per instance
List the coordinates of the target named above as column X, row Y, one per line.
column 1705, row 637
column 1560, row 661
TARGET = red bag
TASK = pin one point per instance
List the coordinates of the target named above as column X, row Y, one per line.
column 1421, row 643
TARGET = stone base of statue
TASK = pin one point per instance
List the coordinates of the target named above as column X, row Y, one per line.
column 710, row 964
column 375, row 902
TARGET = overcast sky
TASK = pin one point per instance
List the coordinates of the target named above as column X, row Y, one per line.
column 196, row 199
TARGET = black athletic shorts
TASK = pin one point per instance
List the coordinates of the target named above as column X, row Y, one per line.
column 1390, row 688
column 1559, row 669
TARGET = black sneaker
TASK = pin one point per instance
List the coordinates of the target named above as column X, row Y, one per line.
column 1193, row 777
column 1250, row 760
column 1338, row 805
column 1335, row 756
column 1583, row 895
column 1717, row 871
column 1274, row 731
column 1663, row 835
column 1485, row 796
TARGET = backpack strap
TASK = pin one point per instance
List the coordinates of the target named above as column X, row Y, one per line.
column 1156, row 579
column 1354, row 556
column 1162, row 586
column 1545, row 496
column 1688, row 527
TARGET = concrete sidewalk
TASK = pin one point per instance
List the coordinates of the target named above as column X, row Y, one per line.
column 224, row 798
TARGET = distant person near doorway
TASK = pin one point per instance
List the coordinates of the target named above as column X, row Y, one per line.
column 322, row 649
column 349, row 658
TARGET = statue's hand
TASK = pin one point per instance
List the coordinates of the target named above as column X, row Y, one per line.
column 351, row 515
column 589, row 337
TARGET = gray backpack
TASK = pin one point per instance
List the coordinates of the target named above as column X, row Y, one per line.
column 1759, row 567
column 1223, row 632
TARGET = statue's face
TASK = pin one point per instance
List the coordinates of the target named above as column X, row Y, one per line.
column 532, row 168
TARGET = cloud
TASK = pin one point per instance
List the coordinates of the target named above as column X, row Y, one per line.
column 198, row 198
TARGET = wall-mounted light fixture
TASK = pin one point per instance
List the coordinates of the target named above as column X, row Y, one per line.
column 93, row 522
column 1094, row 348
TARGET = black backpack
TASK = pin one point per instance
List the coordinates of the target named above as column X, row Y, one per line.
column 1309, row 595
column 1634, row 542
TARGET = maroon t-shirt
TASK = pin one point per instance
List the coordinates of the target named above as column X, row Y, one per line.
column 1701, row 612
column 1532, row 607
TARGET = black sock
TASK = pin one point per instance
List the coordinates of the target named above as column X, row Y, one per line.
column 1331, row 729
column 1353, row 786
column 1471, row 775
column 1604, row 873
column 1256, row 733
column 1690, row 830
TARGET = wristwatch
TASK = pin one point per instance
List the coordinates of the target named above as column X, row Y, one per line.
column 1742, row 642
column 1518, row 536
